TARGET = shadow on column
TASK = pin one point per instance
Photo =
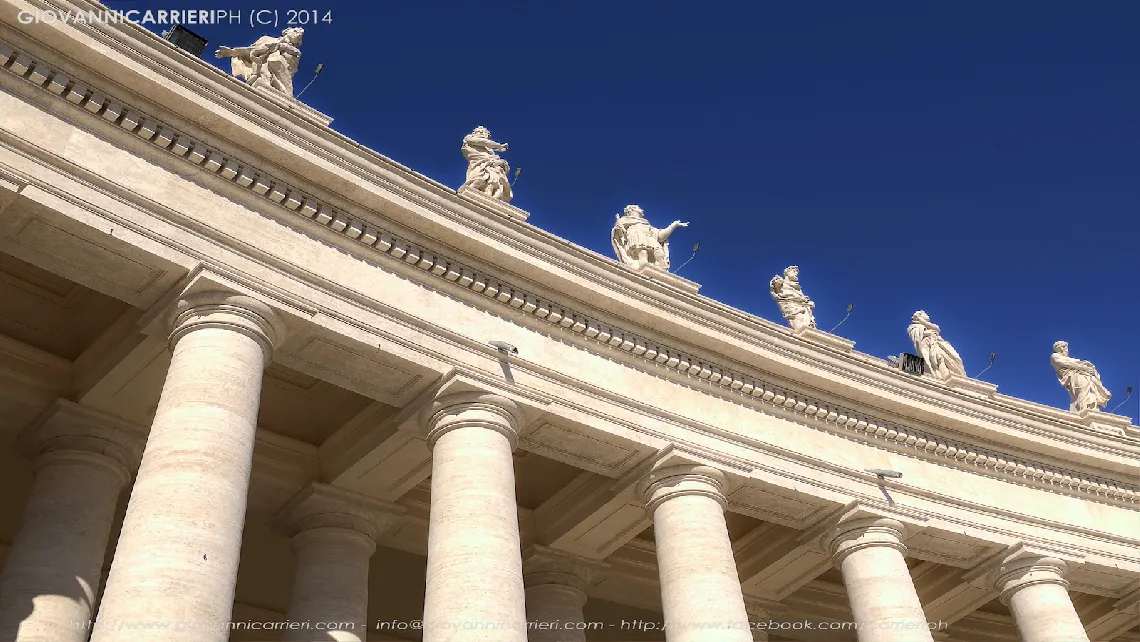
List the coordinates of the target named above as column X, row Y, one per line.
column 83, row 593
column 15, row 611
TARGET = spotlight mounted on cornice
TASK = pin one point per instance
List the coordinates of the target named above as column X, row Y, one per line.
column 503, row 346
column 882, row 472
column 185, row 40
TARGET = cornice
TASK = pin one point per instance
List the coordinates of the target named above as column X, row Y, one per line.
column 774, row 341
column 637, row 349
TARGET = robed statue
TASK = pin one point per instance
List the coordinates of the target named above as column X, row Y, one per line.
column 268, row 63
column 486, row 171
column 637, row 243
column 794, row 304
column 1080, row 378
column 941, row 358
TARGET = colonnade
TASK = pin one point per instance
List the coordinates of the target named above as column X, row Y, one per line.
column 176, row 560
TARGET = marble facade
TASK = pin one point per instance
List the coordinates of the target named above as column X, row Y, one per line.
column 237, row 400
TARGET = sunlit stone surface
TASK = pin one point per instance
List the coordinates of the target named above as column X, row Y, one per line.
column 364, row 406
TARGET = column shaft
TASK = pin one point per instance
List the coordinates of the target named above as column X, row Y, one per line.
column 175, row 567
column 52, row 573
column 700, row 588
column 330, row 586
column 1044, row 613
column 555, row 594
column 871, row 556
column 555, row 613
column 334, row 534
column 474, row 569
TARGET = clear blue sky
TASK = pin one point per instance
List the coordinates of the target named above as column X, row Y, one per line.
column 976, row 160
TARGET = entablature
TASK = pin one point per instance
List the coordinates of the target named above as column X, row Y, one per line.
column 648, row 326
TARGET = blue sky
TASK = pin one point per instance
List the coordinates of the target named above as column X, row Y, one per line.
column 975, row 160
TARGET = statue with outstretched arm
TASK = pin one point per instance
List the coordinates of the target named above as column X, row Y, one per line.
column 269, row 63
column 637, row 243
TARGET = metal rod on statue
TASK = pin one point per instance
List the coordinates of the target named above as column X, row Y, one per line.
column 315, row 74
column 696, row 247
column 1126, row 398
column 993, row 355
column 850, row 306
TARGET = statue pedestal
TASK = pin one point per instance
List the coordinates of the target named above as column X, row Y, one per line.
column 973, row 387
column 1108, row 424
column 668, row 278
column 815, row 335
column 493, row 204
column 296, row 106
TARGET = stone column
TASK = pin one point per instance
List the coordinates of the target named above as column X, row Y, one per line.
column 870, row 553
column 1035, row 590
column 82, row 459
column 175, row 567
column 761, row 612
column 555, row 594
column 474, row 566
column 700, row 588
column 334, row 535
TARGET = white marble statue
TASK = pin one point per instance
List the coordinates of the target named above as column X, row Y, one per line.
column 794, row 304
column 637, row 243
column 268, row 63
column 486, row 171
column 940, row 357
column 1080, row 378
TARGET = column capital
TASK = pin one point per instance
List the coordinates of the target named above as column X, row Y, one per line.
column 230, row 311
column 678, row 480
column 67, row 430
column 468, row 409
column 323, row 506
column 850, row 535
column 543, row 565
column 1021, row 565
column 1026, row 565
column 857, row 526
